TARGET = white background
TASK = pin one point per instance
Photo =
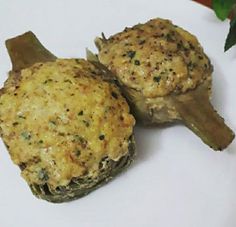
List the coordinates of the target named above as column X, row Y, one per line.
column 176, row 181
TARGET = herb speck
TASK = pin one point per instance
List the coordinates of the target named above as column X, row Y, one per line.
column 157, row 79
column 48, row 80
column 141, row 42
column 43, row 175
column 131, row 54
column 68, row 81
column 78, row 153
column 81, row 113
column 52, row 122
column 114, row 95
column 26, row 135
column 83, row 142
column 86, row 123
column 101, row 137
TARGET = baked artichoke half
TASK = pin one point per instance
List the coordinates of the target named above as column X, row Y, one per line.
column 66, row 127
column 166, row 77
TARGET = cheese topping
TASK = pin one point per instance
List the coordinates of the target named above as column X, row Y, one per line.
column 156, row 58
column 59, row 119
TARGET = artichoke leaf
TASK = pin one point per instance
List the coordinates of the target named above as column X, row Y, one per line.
column 198, row 115
column 26, row 50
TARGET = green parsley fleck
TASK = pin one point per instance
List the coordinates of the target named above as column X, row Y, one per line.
column 78, row 153
column 157, row 79
column 81, row 113
column 101, row 137
column 26, row 135
column 137, row 62
column 68, row 81
column 141, row 42
column 86, row 123
column 22, row 117
column 43, row 175
column 48, row 80
column 52, row 122
column 77, row 138
column 131, row 54
column 114, row 95
column 15, row 123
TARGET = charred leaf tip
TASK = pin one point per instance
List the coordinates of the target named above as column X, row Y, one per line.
column 103, row 36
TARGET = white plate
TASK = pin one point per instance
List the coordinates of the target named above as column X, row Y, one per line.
column 176, row 181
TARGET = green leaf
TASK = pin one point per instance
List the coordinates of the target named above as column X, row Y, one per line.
column 231, row 38
column 223, row 8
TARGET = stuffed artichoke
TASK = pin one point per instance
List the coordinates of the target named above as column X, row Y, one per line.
column 66, row 127
column 166, row 76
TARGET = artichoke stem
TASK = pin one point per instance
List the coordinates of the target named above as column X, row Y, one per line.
column 199, row 116
column 26, row 50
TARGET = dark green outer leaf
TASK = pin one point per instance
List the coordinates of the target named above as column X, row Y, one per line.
column 223, row 8
column 231, row 38
column 80, row 187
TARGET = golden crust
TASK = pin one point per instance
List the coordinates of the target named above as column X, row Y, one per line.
column 59, row 119
column 156, row 58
